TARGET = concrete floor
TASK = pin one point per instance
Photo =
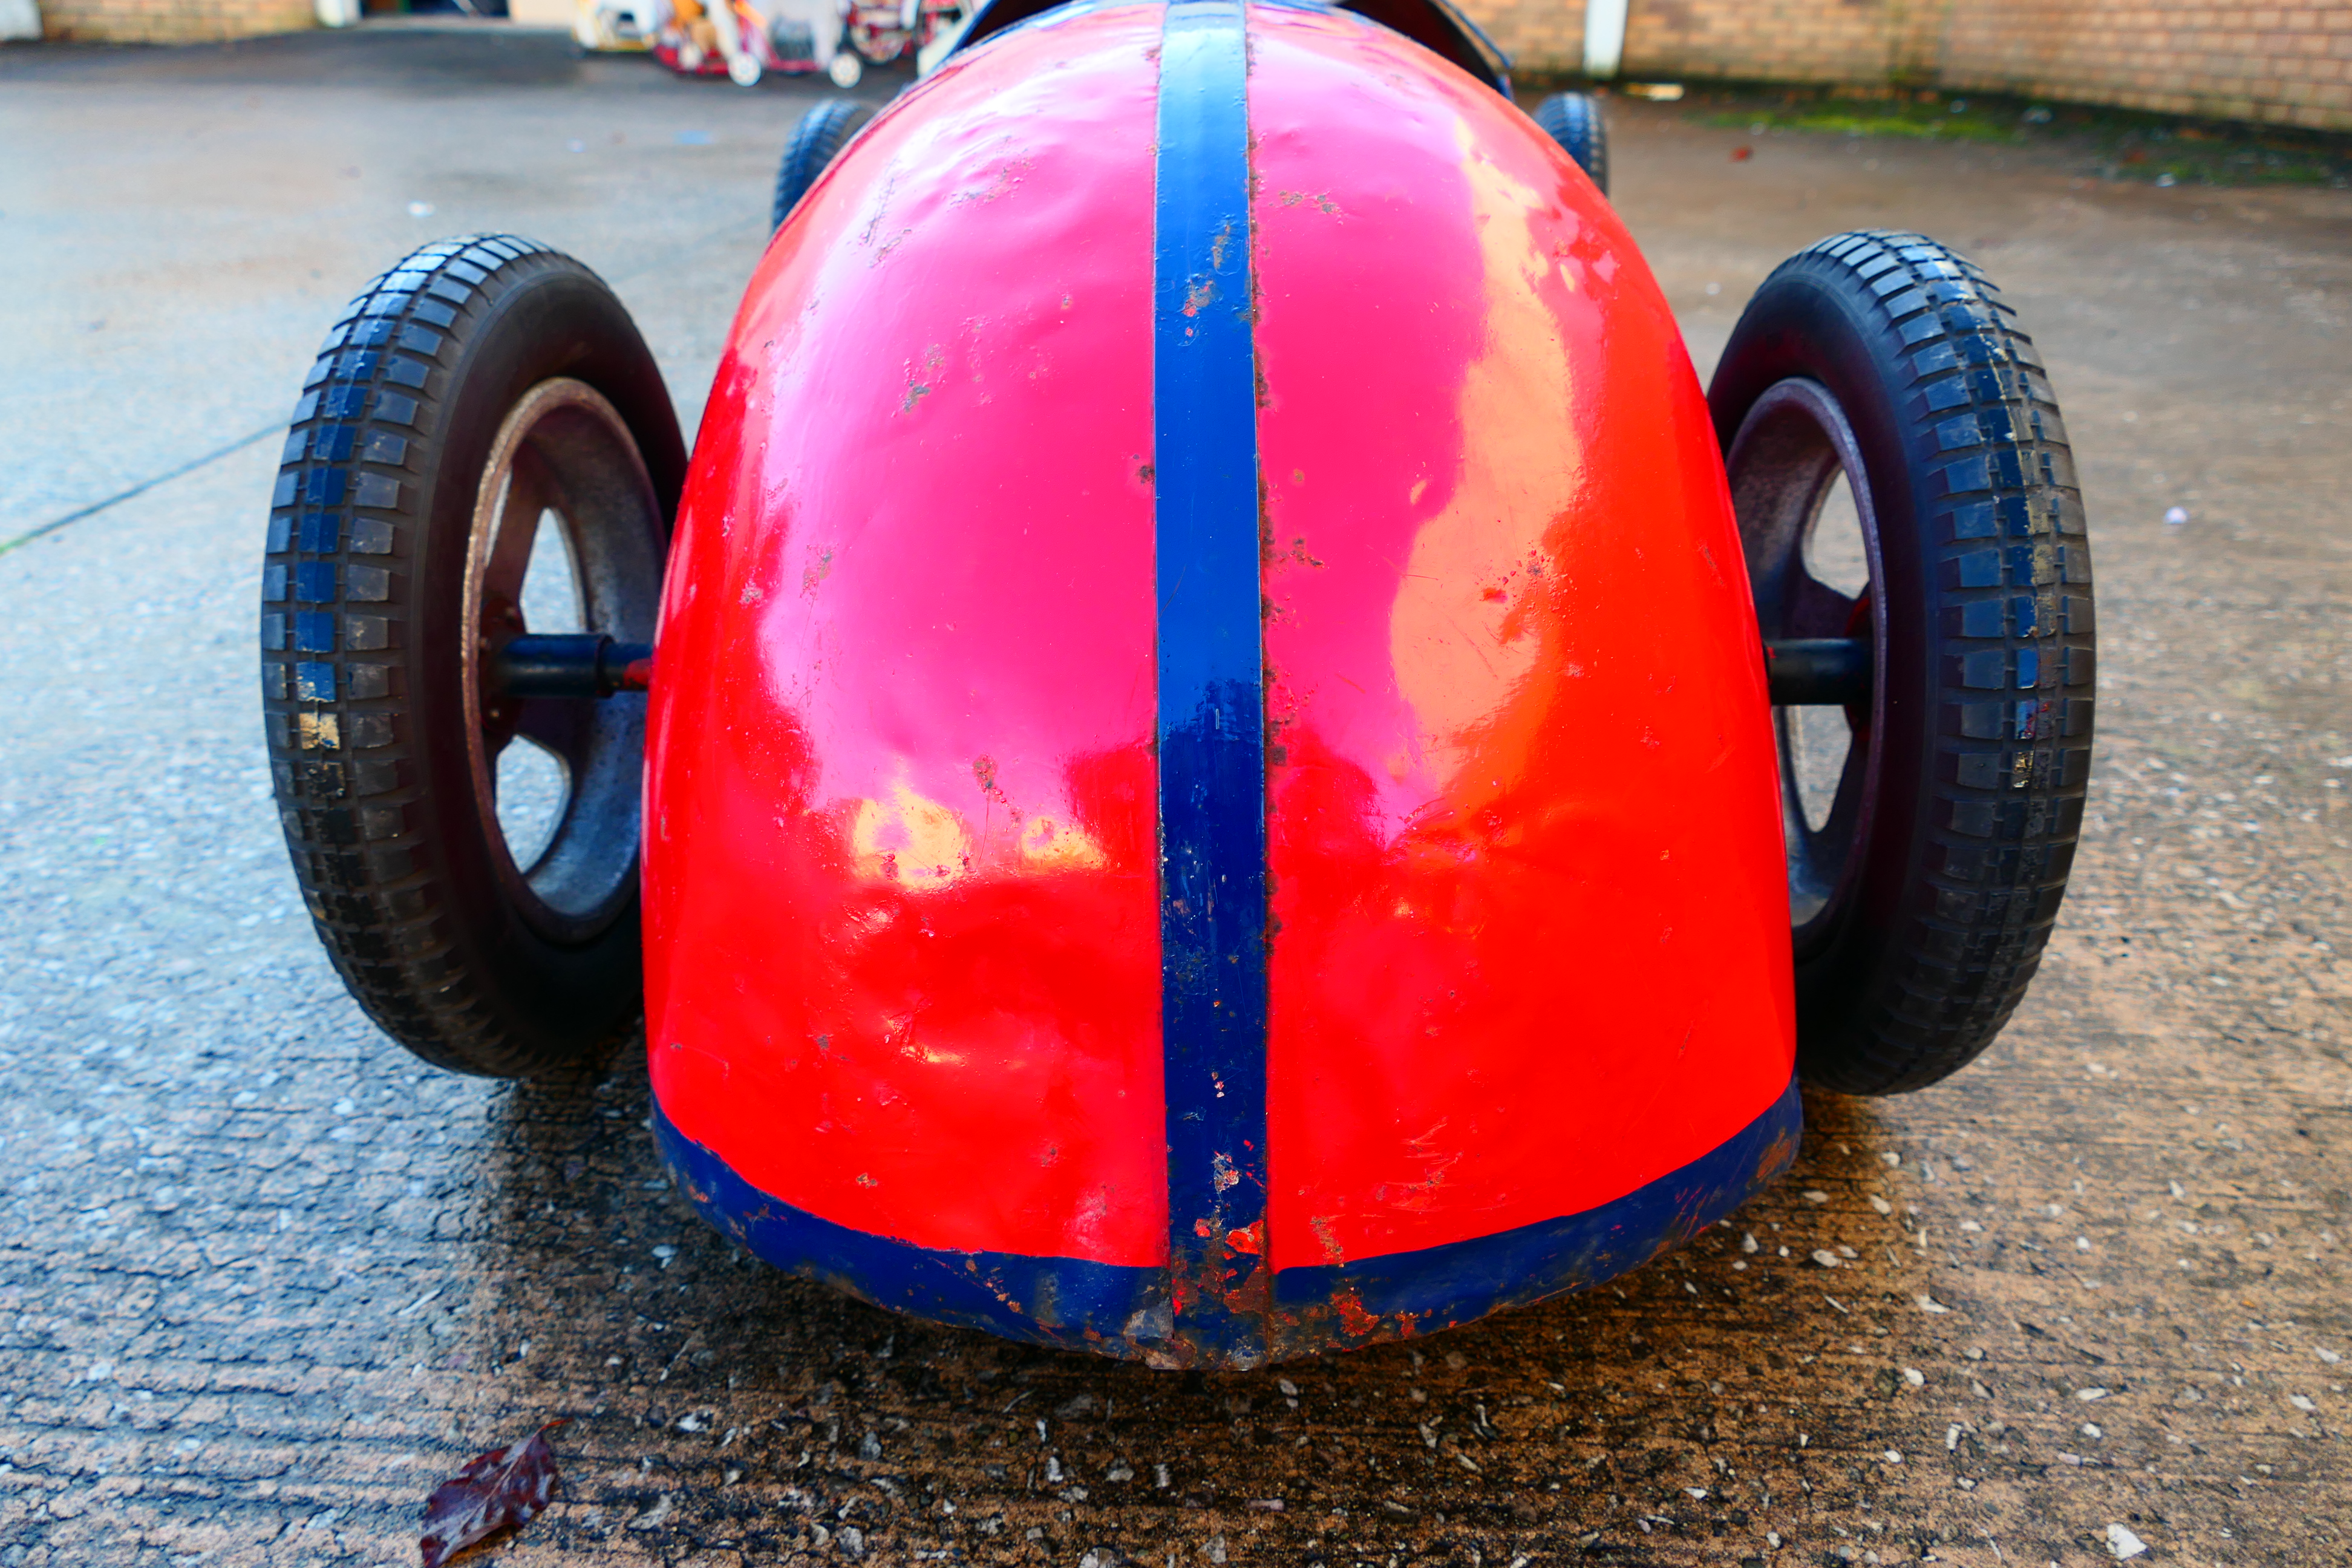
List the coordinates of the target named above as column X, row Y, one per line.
column 264, row 1281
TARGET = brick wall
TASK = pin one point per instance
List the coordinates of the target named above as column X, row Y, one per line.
column 2286, row 63
column 1546, row 33
column 172, row 21
column 1779, row 40
column 2234, row 60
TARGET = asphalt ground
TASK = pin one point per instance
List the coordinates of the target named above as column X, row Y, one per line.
column 264, row 1281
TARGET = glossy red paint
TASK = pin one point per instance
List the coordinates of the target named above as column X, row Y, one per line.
column 903, row 940
column 1532, row 943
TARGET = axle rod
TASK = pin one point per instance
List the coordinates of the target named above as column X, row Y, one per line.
column 1803, row 672
column 585, row 664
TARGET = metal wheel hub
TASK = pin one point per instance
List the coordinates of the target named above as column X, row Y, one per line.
column 563, row 457
column 1790, row 452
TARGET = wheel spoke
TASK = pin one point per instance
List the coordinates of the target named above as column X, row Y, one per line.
column 1815, row 609
column 530, row 489
column 563, row 727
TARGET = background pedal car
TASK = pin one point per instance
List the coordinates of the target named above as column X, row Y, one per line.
column 1239, row 762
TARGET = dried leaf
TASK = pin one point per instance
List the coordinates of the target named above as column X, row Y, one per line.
column 505, row 1487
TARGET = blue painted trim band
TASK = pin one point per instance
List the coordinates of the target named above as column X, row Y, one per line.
column 1064, row 1301
column 1424, row 1290
column 1212, row 898
column 1075, row 1304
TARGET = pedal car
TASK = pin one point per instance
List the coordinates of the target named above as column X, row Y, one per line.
column 1218, row 754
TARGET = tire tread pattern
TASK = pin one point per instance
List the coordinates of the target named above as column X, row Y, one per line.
column 1573, row 119
column 2014, row 645
column 815, row 142
column 345, row 523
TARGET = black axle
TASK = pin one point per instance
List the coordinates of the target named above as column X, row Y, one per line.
column 1803, row 672
column 1799, row 671
column 587, row 664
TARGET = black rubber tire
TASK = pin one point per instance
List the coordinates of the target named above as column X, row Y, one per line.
column 361, row 635
column 819, row 138
column 1985, row 626
column 1573, row 119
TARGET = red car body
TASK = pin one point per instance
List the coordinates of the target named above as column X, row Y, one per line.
column 1211, row 792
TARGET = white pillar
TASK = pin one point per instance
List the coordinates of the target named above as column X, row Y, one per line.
column 1604, row 37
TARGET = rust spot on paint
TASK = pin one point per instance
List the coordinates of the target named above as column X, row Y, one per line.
column 1254, row 1296
column 918, row 389
column 1359, row 1323
column 1777, row 1156
column 819, row 571
column 1319, row 200
column 1008, row 175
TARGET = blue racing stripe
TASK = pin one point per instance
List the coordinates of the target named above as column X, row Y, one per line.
column 1213, row 882
column 1070, row 1302
column 1407, row 1293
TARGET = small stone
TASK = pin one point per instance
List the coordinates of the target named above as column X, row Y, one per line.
column 2124, row 1544
column 1827, row 1259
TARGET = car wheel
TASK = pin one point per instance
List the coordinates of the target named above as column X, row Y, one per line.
column 485, row 438
column 819, row 138
column 1877, row 387
column 1573, row 119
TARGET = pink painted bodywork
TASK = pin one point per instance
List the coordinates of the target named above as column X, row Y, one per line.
column 1533, row 943
column 901, row 902
column 1530, row 944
